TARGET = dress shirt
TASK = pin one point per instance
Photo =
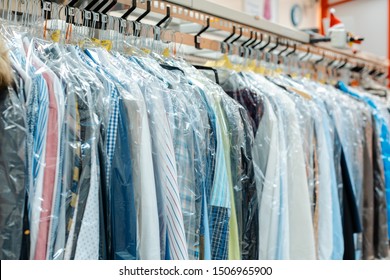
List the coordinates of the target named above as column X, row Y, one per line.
column 37, row 121
column 124, row 226
column 219, row 201
column 164, row 165
column 141, row 153
column 234, row 242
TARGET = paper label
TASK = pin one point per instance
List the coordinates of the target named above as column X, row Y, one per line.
column 56, row 36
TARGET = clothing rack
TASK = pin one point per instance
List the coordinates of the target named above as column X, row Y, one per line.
column 216, row 22
column 221, row 19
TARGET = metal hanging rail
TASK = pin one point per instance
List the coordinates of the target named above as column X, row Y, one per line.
column 219, row 20
column 224, row 19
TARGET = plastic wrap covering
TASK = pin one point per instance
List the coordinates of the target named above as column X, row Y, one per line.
column 174, row 184
column 295, row 190
column 381, row 166
column 370, row 202
column 145, row 199
column 64, row 193
column 242, row 172
column 320, row 164
column 12, row 172
column 349, row 118
column 282, row 197
column 233, row 160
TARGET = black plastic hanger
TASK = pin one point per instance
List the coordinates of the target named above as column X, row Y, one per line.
column 197, row 36
column 247, row 41
column 306, row 54
column 170, row 67
column 231, row 35
column 103, row 14
column 253, row 41
column 239, row 36
column 284, row 50
column 148, row 9
column 293, row 51
column 137, row 31
column 373, row 72
column 228, row 38
column 343, row 65
column 358, row 68
column 87, row 13
column 266, row 45
column 90, row 5
column 258, row 43
column 166, row 18
column 73, row 3
column 129, row 11
column 274, row 47
column 242, row 52
column 321, row 59
column 108, row 8
column 69, row 11
column 201, row 67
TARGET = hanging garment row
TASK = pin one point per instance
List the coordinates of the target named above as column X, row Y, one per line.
column 106, row 155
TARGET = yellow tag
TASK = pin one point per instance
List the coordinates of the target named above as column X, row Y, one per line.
column 81, row 43
column 211, row 63
column 294, row 75
column 73, row 201
column 166, row 52
column 145, row 50
column 268, row 72
column 107, row 44
column 224, row 62
column 238, row 68
column 251, row 65
column 301, row 93
column 261, row 70
column 56, row 36
column 96, row 41
column 308, row 76
column 279, row 71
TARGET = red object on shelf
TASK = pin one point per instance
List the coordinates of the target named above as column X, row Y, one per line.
column 325, row 6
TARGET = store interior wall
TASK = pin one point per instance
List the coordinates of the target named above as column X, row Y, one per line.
column 310, row 10
column 368, row 19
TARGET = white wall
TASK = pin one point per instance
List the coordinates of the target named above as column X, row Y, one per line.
column 233, row 4
column 369, row 19
column 283, row 16
column 310, row 13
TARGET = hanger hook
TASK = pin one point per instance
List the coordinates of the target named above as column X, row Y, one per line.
column 247, row 41
column 258, row 43
column 197, row 36
column 148, row 9
column 253, row 41
column 239, row 36
column 306, row 54
column 267, row 44
column 275, row 47
column 129, row 11
column 293, row 51
column 231, row 35
column 284, row 50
